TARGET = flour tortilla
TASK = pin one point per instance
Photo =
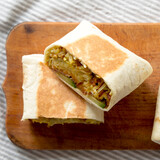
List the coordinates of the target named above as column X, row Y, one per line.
column 45, row 95
column 156, row 126
column 122, row 70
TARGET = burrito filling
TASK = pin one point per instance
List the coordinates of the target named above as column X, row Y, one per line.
column 53, row 121
column 78, row 75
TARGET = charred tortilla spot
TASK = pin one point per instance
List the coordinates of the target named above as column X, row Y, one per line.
column 98, row 54
column 51, row 97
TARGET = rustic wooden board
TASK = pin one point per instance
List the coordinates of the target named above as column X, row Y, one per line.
column 127, row 126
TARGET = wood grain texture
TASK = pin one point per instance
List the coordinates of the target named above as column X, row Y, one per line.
column 127, row 126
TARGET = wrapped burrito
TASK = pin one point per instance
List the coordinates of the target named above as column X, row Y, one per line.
column 47, row 99
column 95, row 66
column 156, row 126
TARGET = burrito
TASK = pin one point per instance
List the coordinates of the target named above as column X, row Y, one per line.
column 46, row 99
column 95, row 66
column 156, row 126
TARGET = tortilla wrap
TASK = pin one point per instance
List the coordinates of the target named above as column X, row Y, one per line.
column 156, row 126
column 122, row 70
column 45, row 96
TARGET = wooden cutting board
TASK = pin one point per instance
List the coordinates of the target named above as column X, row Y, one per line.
column 127, row 126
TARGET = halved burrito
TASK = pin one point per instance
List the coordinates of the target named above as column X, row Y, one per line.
column 156, row 126
column 95, row 66
column 48, row 100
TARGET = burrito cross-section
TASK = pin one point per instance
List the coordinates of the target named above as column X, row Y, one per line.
column 48, row 100
column 95, row 66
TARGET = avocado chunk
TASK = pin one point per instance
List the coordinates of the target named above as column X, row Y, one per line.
column 99, row 103
column 67, row 80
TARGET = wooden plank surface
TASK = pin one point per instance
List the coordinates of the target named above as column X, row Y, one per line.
column 127, row 126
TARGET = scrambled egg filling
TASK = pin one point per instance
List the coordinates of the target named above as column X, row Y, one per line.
column 59, row 59
column 53, row 121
